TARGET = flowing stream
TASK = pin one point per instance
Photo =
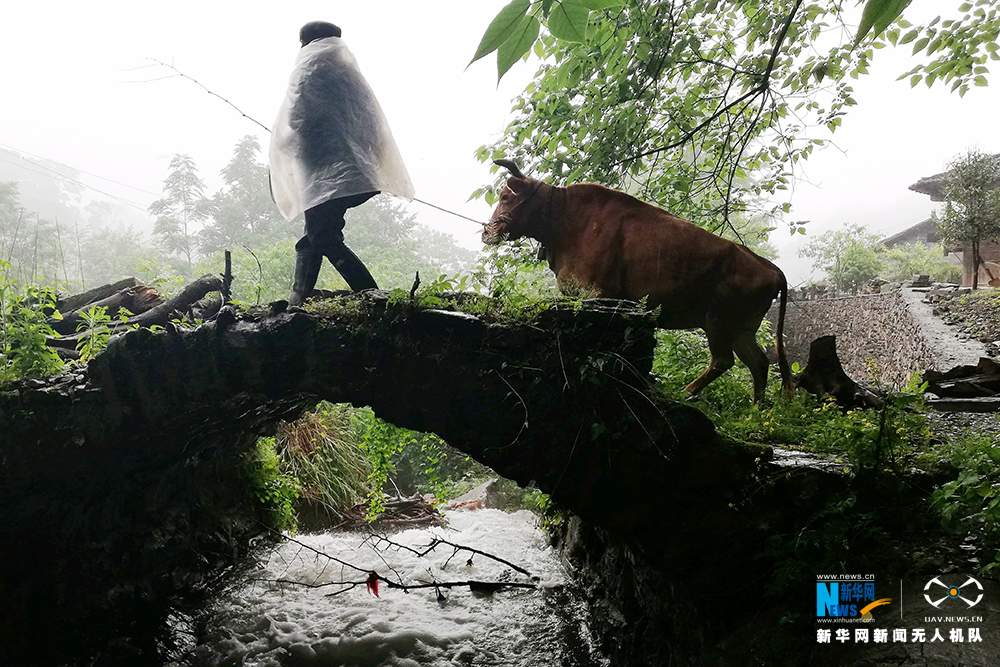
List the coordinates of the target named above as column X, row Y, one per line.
column 270, row 624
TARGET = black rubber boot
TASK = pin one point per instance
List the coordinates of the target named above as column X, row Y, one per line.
column 352, row 269
column 307, row 265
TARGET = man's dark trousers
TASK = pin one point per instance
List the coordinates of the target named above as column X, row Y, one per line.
column 324, row 237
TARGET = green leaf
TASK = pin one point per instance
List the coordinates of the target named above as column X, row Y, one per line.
column 517, row 45
column 910, row 36
column 879, row 14
column 601, row 4
column 981, row 80
column 501, row 28
column 568, row 21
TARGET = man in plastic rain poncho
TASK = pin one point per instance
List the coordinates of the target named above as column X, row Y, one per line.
column 331, row 149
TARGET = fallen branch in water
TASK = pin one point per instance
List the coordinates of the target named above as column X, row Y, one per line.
column 475, row 586
column 437, row 541
column 376, row 542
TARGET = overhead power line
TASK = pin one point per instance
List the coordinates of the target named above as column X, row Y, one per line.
column 22, row 153
column 52, row 173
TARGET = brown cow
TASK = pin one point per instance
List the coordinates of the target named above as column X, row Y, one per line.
column 621, row 248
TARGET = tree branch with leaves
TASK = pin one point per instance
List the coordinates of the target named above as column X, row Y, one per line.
column 701, row 106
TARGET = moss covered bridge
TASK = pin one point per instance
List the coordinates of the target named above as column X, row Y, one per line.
column 119, row 480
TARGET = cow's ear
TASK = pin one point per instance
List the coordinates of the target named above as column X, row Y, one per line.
column 517, row 184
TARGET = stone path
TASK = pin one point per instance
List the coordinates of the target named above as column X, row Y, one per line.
column 949, row 349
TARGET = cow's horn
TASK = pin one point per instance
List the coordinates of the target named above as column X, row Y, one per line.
column 509, row 166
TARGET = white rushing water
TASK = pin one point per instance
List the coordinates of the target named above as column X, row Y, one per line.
column 267, row 625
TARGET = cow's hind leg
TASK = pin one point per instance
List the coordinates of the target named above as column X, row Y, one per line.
column 720, row 344
column 749, row 352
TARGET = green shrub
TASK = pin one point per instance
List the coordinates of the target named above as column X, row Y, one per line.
column 318, row 450
column 380, row 442
column 95, row 323
column 870, row 439
column 274, row 490
column 23, row 328
column 970, row 504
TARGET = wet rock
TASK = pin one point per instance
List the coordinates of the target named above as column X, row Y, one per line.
column 651, row 611
column 487, row 495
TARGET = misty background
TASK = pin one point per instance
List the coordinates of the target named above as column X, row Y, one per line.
column 91, row 124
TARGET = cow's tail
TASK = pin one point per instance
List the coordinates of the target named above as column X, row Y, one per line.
column 779, row 339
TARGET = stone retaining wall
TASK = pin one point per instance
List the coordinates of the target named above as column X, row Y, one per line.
column 870, row 326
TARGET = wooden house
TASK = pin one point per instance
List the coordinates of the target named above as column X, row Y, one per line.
column 989, row 272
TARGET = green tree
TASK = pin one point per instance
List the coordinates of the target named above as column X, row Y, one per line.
column 11, row 219
column 909, row 259
column 379, row 223
column 752, row 232
column 50, row 189
column 110, row 253
column 242, row 213
column 971, row 213
column 36, row 254
column 962, row 44
column 699, row 105
column 440, row 250
column 395, row 246
column 182, row 208
column 263, row 275
column 850, row 256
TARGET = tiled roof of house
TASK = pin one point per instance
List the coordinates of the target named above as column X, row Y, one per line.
column 926, row 228
column 933, row 185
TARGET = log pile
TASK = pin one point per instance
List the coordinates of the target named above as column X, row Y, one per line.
column 398, row 513
column 980, row 380
column 146, row 305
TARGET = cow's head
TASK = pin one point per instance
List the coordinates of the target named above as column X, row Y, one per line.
column 512, row 217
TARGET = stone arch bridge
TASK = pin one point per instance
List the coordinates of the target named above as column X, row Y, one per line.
column 106, row 471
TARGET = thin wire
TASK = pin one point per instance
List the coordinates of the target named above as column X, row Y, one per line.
column 10, row 149
column 457, row 215
column 16, row 152
column 21, row 153
column 55, row 174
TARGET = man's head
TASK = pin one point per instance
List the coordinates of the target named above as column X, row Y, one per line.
column 314, row 30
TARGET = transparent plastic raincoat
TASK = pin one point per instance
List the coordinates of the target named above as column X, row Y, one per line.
column 331, row 139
